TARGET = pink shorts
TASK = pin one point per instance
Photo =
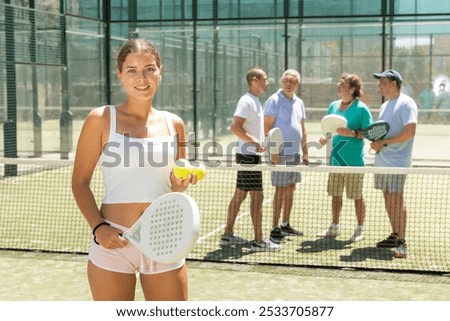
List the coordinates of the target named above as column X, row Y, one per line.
column 127, row 259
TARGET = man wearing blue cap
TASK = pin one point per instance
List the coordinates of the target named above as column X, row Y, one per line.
column 395, row 150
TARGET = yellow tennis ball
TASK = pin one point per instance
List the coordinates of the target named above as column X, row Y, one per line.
column 182, row 168
column 199, row 169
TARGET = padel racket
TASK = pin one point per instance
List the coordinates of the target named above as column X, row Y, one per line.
column 330, row 123
column 376, row 131
column 168, row 229
column 274, row 141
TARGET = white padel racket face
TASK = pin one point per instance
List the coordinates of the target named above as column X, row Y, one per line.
column 168, row 229
column 274, row 141
column 330, row 123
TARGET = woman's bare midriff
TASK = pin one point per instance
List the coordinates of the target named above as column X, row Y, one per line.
column 123, row 214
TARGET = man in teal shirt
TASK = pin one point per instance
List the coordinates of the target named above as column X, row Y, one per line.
column 348, row 150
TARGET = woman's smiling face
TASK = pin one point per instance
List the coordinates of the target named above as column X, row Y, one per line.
column 140, row 75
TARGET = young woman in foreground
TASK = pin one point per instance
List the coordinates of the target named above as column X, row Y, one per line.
column 136, row 146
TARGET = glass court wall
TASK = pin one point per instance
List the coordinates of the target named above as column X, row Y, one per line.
column 58, row 58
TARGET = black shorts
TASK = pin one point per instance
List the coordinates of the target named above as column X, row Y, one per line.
column 249, row 180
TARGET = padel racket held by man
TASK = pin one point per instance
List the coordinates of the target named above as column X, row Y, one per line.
column 168, row 229
column 376, row 131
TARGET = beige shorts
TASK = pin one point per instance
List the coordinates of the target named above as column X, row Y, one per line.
column 353, row 184
column 128, row 259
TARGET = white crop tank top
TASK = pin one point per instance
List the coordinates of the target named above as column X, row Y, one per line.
column 137, row 170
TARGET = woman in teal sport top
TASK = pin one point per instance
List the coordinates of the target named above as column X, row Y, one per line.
column 348, row 150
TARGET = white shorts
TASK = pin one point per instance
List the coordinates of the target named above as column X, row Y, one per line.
column 127, row 259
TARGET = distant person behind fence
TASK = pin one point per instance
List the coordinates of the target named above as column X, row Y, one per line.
column 426, row 99
column 442, row 104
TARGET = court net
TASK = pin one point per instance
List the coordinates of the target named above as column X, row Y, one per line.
column 38, row 213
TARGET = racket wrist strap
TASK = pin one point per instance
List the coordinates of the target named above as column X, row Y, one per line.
column 98, row 225
column 95, row 229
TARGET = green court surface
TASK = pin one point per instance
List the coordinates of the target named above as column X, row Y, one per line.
column 28, row 276
column 326, row 270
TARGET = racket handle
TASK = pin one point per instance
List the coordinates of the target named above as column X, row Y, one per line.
column 132, row 235
column 329, row 147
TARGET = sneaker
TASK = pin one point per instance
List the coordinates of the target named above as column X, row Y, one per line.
column 391, row 241
column 289, row 230
column 358, row 235
column 332, row 231
column 264, row 245
column 232, row 239
column 276, row 235
column 400, row 253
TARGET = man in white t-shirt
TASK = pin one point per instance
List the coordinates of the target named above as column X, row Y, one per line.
column 395, row 150
column 248, row 126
